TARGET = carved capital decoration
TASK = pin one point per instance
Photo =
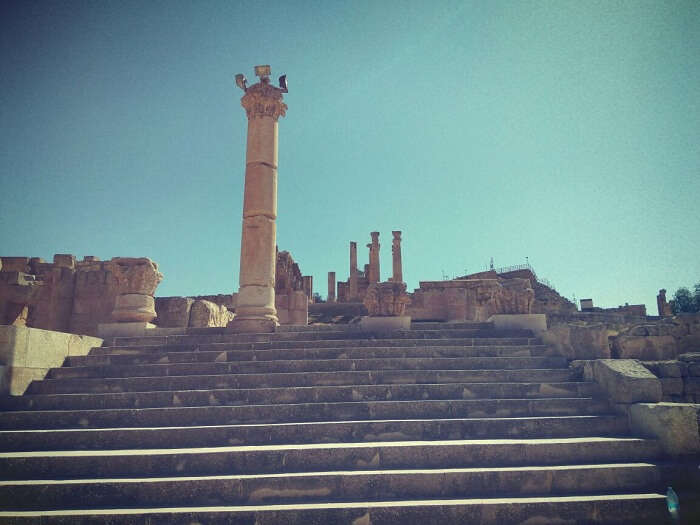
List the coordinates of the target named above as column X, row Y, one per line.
column 263, row 100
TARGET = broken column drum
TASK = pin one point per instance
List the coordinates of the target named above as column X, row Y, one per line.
column 255, row 311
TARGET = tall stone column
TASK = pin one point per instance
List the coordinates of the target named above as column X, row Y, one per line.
column 331, row 287
column 374, row 258
column 353, row 271
column 255, row 310
column 397, row 275
column 309, row 287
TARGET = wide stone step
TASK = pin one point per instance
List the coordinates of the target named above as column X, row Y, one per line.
column 318, row 394
column 359, row 485
column 361, row 410
column 270, row 459
column 315, row 432
column 365, row 377
column 332, row 343
column 611, row 508
column 127, row 355
column 319, row 365
column 322, row 335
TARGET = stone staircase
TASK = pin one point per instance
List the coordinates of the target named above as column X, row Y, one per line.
column 445, row 423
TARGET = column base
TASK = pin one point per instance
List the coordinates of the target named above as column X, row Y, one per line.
column 243, row 326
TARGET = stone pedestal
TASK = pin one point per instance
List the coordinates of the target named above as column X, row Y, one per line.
column 137, row 279
column 255, row 310
column 132, row 307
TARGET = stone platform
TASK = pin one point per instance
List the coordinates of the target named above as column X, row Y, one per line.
column 442, row 423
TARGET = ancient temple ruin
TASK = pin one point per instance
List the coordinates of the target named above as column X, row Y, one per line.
column 488, row 398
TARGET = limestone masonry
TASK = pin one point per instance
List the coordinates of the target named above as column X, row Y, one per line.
column 485, row 399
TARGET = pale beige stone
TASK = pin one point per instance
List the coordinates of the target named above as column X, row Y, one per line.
column 207, row 314
column 374, row 273
column 133, row 307
column 385, row 324
column 28, row 353
column 397, row 268
column 578, row 341
column 135, row 275
column 675, row 425
column 535, row 322
column 647, row 348
column 386, row 299
column 331, row 287
column 255, row 309
column 352, row 280
column 626, row 381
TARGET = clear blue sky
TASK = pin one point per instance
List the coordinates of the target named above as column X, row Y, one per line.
column 562, row 131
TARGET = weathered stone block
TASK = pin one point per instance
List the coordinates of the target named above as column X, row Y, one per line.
column 134, row 307
column 64, row 260
column 535, row 322
column 173, row 311
column 626, row 381
column 648, row 348
column 576, row 341
column 665, row 368
column 671, row 386
column 694, row 369
column 675, row 425
column 15, row 264
column 29, row 353
column 206, row 314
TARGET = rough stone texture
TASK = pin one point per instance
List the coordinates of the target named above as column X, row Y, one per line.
column 648, row 348
column 578, row 341
column 675, row 425
column 662, row 305
column 537, row 323
column 386, row 299
column 626, row 381
column 134, row 307
column 331, row 287
column 256, row 297
column 135, row 275
column 173, row 311
column 470, row 299
column 667, row 368
column 28, row 353
column 68, row 295
column 397, row 266
column 289, row 284
column 374, row 274
column 206, row 314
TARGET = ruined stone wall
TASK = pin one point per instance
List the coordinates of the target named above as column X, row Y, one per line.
column 67, row 295
column 470, row 299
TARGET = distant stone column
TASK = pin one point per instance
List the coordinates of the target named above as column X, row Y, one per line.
column 309, row 287
column 397, row 275
column 663, row 306
column 374, row 258
column 331, row 287
column 353, row 271
column 255, row 311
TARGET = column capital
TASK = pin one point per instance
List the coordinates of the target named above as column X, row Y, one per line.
column 263, row 100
